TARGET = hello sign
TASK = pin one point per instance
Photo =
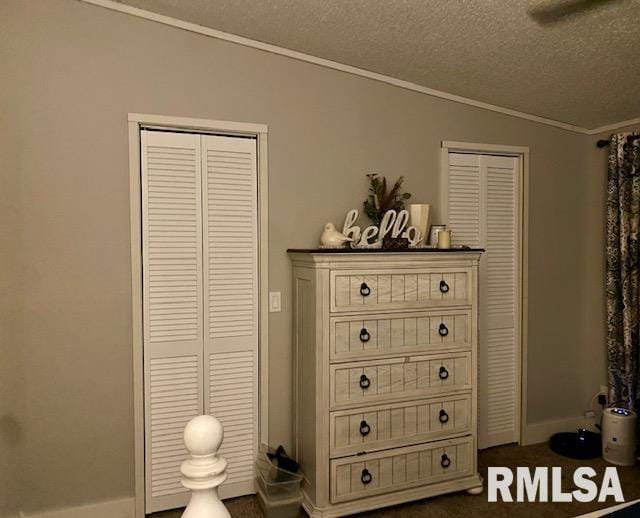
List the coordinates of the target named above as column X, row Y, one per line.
column 393, row 223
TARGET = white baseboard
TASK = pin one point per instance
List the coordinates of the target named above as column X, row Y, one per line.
column 120, row 508
column 541, row 432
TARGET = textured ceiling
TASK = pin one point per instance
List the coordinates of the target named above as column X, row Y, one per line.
column 584, row 70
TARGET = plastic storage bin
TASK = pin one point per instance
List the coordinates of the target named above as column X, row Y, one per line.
column 280, row 508
column 276, row 483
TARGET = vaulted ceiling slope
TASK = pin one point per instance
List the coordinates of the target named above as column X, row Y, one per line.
column 582, row 70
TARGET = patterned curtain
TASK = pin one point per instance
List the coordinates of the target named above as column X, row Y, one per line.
column 623, row 270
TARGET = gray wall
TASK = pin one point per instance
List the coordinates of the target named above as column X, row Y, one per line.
column 71, row 73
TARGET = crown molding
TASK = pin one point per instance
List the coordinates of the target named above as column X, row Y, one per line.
column 613, row 126
column 300, row 56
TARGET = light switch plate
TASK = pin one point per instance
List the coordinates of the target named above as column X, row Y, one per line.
column 275, row 302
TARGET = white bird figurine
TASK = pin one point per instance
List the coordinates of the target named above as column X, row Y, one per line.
column 331, row 238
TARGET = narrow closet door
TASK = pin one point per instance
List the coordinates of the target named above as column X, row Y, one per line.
column 172, row 307
column 499, row 299
column 229, row 184
column 482, row 204
column 464, row 200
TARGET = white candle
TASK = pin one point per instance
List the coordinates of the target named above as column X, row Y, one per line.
column 444, row 239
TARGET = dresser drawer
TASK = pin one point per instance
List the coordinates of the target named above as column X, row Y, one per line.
column 375, row 381
column 361, row 336
column 401, row 468
column 400, row 424
column 353, row 290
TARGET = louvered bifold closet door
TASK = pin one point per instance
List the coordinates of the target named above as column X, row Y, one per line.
column 501, row 390
column 464, row 199
column 172, row 307
column 229, row 186
column 482, row 206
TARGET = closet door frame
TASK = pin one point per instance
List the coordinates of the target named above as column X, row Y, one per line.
column 259, row 131
column 522, row 153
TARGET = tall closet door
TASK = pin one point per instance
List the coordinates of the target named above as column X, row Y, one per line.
column 483, row 210
column 200, row 304
column 172, row 307
column 229, row 186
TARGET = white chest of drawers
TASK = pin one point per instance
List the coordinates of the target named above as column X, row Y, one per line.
column 385, row 355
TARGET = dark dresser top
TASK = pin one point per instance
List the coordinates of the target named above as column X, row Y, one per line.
column 380, row 250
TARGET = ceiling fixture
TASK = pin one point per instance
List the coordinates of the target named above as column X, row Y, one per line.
column 554, row 12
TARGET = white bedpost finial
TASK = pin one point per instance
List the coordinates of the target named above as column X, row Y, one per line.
column 204, row 471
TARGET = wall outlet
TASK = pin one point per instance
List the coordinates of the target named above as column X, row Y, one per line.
column 604, row 390
column 275, row 302
column 589, row 414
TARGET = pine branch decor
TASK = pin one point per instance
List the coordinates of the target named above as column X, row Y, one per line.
column 380, row 201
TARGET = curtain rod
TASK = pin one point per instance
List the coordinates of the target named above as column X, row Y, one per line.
column 605, row 143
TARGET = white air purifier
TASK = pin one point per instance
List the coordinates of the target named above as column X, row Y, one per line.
column 619, row 436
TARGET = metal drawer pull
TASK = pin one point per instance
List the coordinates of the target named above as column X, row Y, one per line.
column 366, row 476
column 365, row 382
column 364, row 428
column 364, row 335
column 445, row 461
column 443, row 330
column 365, row 291
column 443, row 373
column 444, row 287
column 444, row 417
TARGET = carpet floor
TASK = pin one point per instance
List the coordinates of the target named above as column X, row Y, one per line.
column 466, row 506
